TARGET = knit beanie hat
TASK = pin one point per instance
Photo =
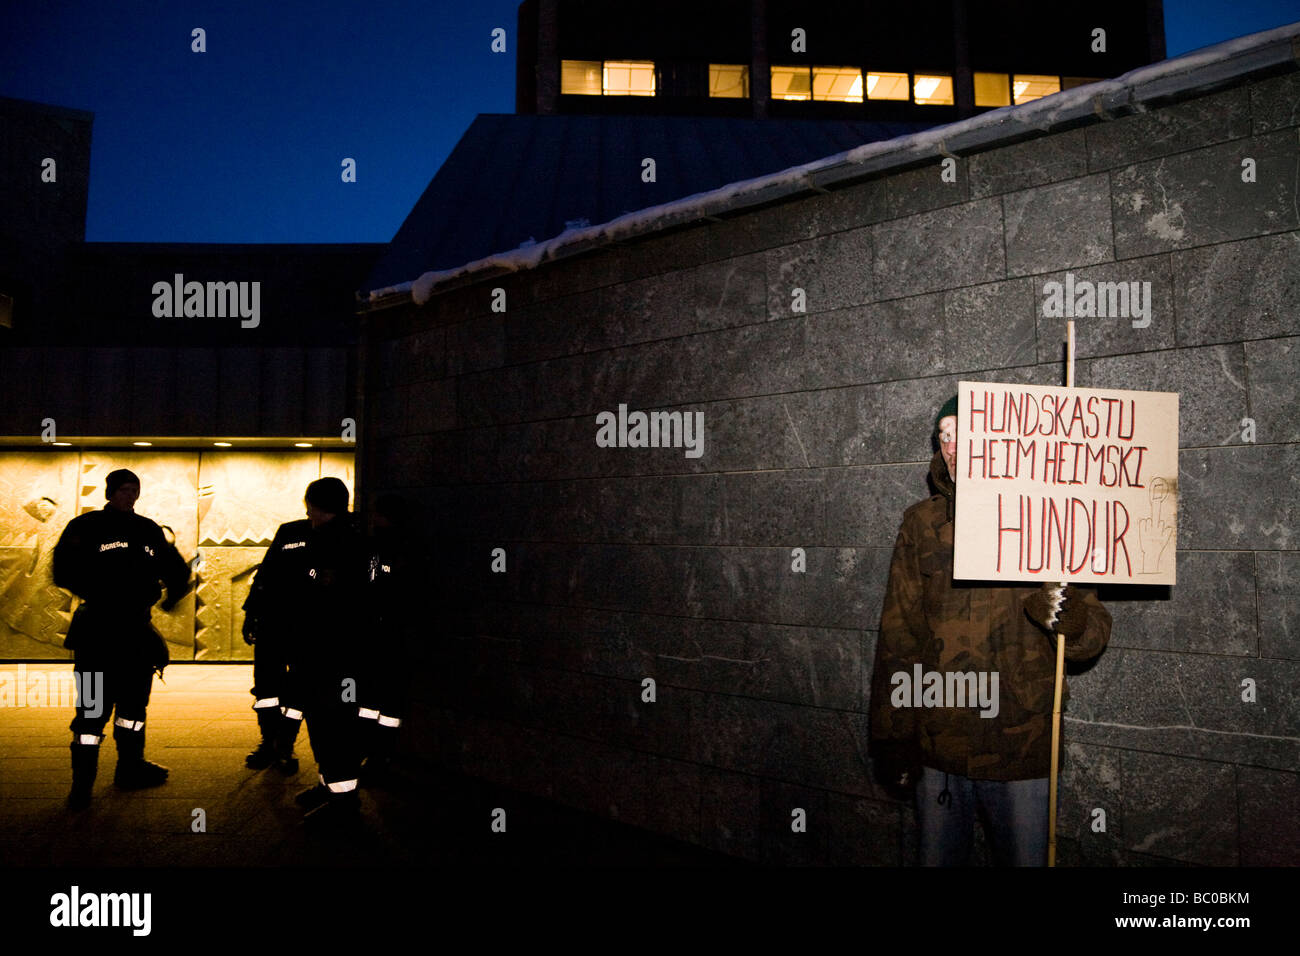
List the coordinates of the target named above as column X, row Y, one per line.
column 329, row 495
column 949, row 408
column 116, row 479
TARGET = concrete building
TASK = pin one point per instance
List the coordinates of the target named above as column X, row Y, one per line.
column 837, row 59
column 629, row 107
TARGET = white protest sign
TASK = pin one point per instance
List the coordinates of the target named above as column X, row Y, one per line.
column 1065, row 484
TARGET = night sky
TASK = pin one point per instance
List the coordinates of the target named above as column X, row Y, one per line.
column 244, row 143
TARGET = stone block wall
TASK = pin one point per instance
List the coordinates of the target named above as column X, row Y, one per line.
column 624, row 564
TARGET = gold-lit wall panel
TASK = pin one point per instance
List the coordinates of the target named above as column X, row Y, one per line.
column 223, row 580
column 341, row 465
column 223, row 506
column 38, row 497
column 244, row 496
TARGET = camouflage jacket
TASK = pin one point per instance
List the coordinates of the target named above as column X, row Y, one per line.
column 948, row 626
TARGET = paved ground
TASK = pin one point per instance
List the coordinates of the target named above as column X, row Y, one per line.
column 201, row 726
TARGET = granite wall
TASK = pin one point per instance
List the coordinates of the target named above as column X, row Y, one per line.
column 619, row 565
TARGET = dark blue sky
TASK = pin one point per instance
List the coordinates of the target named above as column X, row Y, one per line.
column 243, row 143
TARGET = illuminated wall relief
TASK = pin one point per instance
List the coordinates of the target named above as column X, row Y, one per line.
column 222, row 506
column 38, row 497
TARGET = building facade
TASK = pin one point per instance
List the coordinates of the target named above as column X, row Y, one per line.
column 841, row 59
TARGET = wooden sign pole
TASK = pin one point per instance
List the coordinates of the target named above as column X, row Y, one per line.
column 1060, row 657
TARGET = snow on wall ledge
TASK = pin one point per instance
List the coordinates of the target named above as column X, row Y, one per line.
column 1106, row 99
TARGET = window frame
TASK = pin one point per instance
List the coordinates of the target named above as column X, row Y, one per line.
column 604, row 66
column 745, row 81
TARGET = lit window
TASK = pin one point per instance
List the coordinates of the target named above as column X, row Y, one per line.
column 1027, row 86
column 933, row 90
column 1070, row 82
column 887, row 86
column 629, row 78
column 791, row 83
column 992, row 89
column 728, row 81
column 840, row 84
column 580, row 76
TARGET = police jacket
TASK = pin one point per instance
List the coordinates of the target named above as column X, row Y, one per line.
column 278, row 586
column 308, row 589
column 965, row 627
column 114, row 560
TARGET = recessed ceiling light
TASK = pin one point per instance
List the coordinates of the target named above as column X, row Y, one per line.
column 62, row 444
column 302, row 444
column 142, row 444
column 222, row 444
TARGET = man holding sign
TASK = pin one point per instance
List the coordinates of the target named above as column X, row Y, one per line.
column 962, row 691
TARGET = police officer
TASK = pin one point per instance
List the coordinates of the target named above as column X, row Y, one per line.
column 320, row 592
column 269, row 623
column 392, row 564
column 113, row 559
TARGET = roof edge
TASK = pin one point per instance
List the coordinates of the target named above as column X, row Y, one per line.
column 49, row 109
column 1200, row 71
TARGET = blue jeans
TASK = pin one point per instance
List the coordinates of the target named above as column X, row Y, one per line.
column 1013, row 812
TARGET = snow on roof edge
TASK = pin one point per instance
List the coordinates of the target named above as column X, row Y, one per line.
column 1180, row 74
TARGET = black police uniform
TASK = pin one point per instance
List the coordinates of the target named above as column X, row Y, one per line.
column 323, row 655
column 381, row 684
column 113, row 560
column 305, row 601
column 271, row 619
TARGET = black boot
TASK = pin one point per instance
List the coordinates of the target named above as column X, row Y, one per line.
column 286, row 736
column 133, row 771
column 268, row 722
column 377, row 771
column 85, row 766
column 367, row 732
column 262, row 757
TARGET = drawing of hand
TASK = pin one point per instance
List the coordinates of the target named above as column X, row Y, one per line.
column 1155, row 533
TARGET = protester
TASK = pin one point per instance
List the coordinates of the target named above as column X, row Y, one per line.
column 962, row 758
